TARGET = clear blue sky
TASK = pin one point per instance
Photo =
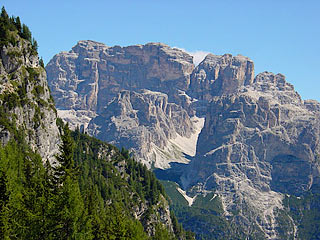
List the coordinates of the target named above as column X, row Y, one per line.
column 281, row 36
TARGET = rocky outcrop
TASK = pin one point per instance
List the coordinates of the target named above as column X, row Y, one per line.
column 145, row 122
column 25, row 102
column 218, row 75
column 256, row 145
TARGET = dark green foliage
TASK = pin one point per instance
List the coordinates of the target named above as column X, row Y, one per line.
column 149, row 188
column 24, row 206
column 41, row 62
column 305, row 211
column 204, row 217
column 26, row 33
column 84, row 197
column 13, row 24
column 92, row 190
column 115, row 183
column 11, row 100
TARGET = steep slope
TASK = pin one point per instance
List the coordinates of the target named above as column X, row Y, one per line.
column 144, row 122
column 120, row 181
column 91, row 74
column 26, row 106
column 257, row 145
column 217, row 75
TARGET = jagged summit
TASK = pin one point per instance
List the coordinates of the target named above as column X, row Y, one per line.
column 217, row 75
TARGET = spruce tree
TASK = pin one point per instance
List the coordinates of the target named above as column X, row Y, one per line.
column 71, row 218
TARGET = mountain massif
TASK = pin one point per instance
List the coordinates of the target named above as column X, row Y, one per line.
column 238, row 153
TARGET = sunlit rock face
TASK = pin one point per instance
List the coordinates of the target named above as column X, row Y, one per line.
column 218, row 75
column 146, row 123
column 91, row 74
column 105, row 84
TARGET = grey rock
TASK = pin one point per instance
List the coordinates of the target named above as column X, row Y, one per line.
column 260, row 140
column 91, row 74
column 218, row 75
column 34, row 113
column 143, row 122
column 86, row 82
column 258, row 144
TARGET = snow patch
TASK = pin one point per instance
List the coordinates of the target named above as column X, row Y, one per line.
column 189, row 145
column 213, row 197
column 190, row 200
column 176, row 148
column 76, row 118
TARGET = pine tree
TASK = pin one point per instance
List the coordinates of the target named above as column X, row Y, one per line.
column 18, row 25
column 3, row 201
column 71, row 219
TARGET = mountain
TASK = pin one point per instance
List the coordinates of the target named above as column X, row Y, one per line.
column 86, row 84
column 59, row 184
column 253, row 170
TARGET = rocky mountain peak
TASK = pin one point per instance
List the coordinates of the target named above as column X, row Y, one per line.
column 217, row 75
column 146, row 123
column 90, row 75
column 88, row 46
column 274, row 88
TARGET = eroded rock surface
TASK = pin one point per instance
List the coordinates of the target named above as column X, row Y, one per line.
column 91, row 74
column 25, row 101
column 256, row 145
column 86, row 84
column 218, row 75
column 145, row 122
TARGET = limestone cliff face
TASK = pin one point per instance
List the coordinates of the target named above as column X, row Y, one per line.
column 143, row 122
column 258, row 144
column 25, row 101
column 86, row 84
column 91, row 74
column 218, row 75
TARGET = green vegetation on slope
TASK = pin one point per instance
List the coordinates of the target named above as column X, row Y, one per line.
column 40, row 202
column 10, row 26
column 206, row 216
column 305, row 211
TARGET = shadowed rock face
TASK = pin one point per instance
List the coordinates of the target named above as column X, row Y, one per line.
column 291, row 175
column 91, row 78
column 144, row 121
